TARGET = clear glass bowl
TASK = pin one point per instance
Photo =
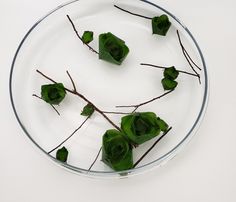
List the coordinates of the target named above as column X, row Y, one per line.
column 52, row 47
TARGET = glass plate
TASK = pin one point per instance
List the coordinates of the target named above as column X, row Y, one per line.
column 52, row 47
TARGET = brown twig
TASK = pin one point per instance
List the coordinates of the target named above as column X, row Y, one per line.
column 77, row 34
column 142, row 16
column 144, row 103
column 108, row 112
column 135, row 109
column 145, row 154
column 96, row 158
column 72, row 81
column 188, row 58
column 186, row 52
column 85, row 99
column 161, row 67
column 34, row 95
column 191, row 59
column 69, row 136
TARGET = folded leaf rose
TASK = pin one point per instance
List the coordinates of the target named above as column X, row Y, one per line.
column 117, row 151
column 112, row 48
column 168, row 82
column 143, row 126
column 160, row 25
column 62, row 154
column 53, row 93
column 171, row 73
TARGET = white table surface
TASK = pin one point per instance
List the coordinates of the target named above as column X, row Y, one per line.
column 205, row 171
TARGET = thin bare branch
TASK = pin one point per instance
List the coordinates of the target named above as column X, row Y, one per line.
column 34, row 95
column 145, row 154
column 96, row 158
column 187, row 57
column 161, row 67
column 136, row 106
column 77, row 34
column 69, row 136
column 109, row 112
column 191, row 59
column 85, row 99
column 142, row 16
column 72, row 81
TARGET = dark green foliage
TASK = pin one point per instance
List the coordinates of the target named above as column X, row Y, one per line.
column 53, row 93
column 141, row 127
column 62, row 154
column 169, row 84
column 116, row 151
column 160, row 25
column 112, row 49
column 162, row 124
column 87, row 37
column 171, row 73
column 88, row 110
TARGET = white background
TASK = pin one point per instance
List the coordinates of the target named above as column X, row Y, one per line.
column 205, row 171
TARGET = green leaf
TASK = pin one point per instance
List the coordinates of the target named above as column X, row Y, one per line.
column 116, row 151
column 62, row 154
column 169, row 84
column 87, row 37
column 88, row 110
column 160, row 25
column 162, row 124
column 171, row 73
column 140, row 127
column 53, row 93
column 112, row 49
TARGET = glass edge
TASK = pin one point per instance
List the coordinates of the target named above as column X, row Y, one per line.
column 112, row 174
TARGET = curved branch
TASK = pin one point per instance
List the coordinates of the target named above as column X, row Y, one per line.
column 109, row 112
column 77, row 34
column 161, row 67
column 69, row 136
column 188, row 58
column 34, row 95
column 96, row 158
column 72, row 81
column 145, row 154
column 142, row 16
column 136, row 106
column 84, row 98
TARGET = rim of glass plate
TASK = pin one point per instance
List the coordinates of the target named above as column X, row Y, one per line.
column 160, row 161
